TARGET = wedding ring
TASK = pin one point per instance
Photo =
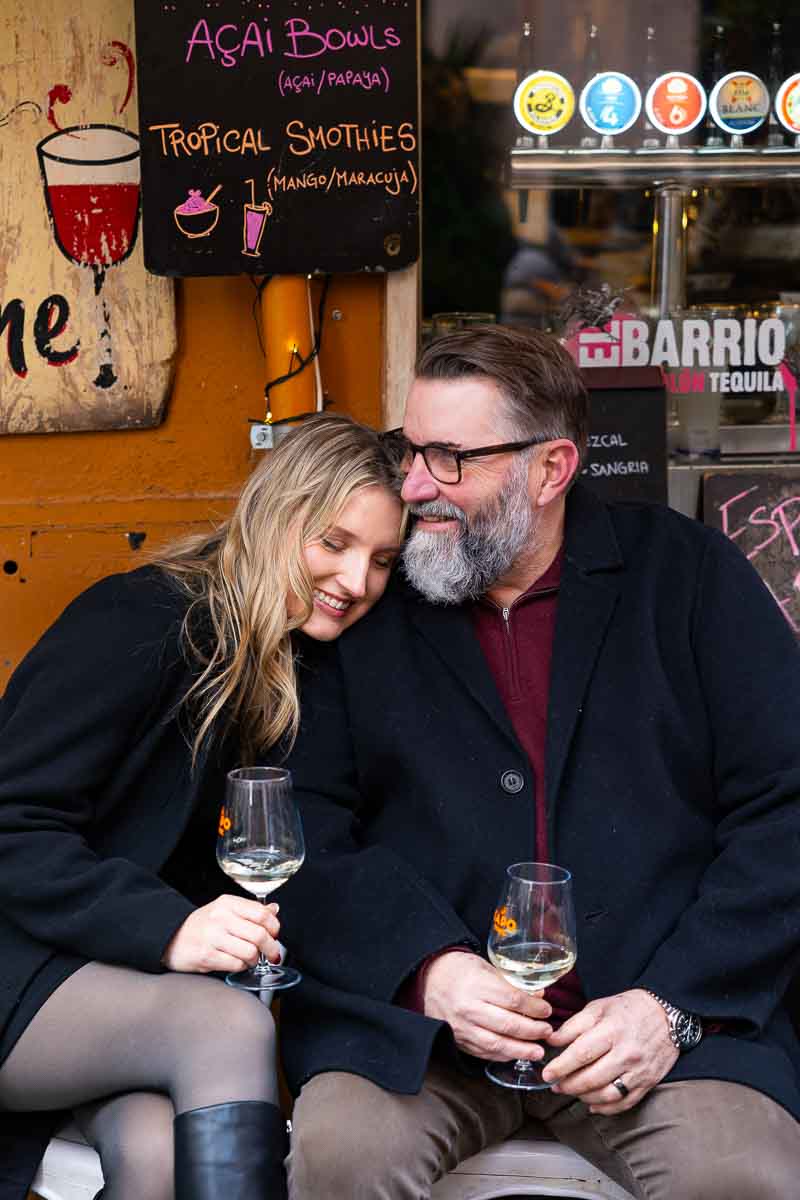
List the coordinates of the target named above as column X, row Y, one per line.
column 621, row 1088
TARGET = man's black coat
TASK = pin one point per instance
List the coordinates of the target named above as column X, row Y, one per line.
column 672, row 792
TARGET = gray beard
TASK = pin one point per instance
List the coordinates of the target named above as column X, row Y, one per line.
column 448, row 568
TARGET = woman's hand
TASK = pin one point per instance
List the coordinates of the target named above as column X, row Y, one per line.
column 225, row 935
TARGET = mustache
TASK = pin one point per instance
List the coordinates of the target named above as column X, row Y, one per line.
column 438, row 508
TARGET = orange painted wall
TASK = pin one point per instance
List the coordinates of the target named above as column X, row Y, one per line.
column 69, row 501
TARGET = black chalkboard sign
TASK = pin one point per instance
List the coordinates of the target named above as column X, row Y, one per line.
column 278, row 137
column 759, row 509
column 627, row 452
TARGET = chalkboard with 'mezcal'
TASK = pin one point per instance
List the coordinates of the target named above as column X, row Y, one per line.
column 626, row 455
column 278, row 136
column 759, row 509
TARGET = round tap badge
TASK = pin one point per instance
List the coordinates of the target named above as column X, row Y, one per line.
column 787, row 104
column 610, row 103
column 739, row 102
column 544, row 102
column 675, row 102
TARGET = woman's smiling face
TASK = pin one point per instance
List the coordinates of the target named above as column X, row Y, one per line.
column 350, row 564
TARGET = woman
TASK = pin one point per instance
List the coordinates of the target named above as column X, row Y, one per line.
column 115, row 736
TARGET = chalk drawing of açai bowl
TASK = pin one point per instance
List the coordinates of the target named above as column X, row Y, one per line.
column 196, row 217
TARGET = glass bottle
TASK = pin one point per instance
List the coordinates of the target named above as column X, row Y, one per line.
column 591, row 66
column 651, row 139
column 525, row 67
column 712, row 134
column 776, row 135
column 525, row 51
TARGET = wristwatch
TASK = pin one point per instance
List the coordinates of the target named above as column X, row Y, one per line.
column 685, row 1028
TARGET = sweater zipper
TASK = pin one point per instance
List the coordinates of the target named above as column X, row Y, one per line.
column 511, row 652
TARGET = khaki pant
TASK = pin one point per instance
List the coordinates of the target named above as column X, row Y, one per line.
column 699, row 1140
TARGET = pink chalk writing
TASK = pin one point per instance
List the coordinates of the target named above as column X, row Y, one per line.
column 757, row 526
column 227, row 42
column 306, row 42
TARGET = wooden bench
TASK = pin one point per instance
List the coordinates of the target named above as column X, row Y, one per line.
column 532, row 1163
column 529, row 1164
column 70, row 1170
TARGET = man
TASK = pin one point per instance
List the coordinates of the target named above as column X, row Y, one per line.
column 606, row 687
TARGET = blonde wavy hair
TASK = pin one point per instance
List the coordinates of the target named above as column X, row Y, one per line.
column 238, row 579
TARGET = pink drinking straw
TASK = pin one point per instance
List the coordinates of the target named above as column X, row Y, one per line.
column 790, row 383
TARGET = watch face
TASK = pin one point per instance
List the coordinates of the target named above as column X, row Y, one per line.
column 689, row 1030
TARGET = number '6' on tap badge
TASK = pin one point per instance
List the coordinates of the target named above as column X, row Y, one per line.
column 676, row 103
column 544, row 102
column 611, row 102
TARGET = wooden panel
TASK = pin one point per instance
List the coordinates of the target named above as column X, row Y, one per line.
column 89, row 339
column 42, row 569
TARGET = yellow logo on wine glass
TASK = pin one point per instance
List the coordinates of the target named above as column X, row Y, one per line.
column 224, row 823
column 503, row 924
column 544, row 102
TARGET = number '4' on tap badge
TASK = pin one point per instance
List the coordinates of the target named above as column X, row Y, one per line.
column 611, row 102
column 544, row 102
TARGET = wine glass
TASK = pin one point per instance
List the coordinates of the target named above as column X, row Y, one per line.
column 532, row 944
column 260, row 845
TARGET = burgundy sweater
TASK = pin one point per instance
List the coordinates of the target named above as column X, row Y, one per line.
column 517, row 643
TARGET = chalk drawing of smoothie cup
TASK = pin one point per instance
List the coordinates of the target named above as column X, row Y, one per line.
column 197, row 217
column 91, row 185
column 255, row 220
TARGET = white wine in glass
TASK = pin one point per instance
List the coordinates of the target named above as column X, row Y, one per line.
column 532, row 944
column 260, row 845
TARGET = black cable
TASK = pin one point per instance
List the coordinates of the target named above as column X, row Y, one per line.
column 303, row 362
column 259, row 287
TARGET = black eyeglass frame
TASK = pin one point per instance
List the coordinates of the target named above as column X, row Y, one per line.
column 459, row 455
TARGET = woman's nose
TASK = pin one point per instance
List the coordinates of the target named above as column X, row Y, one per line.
column 354, row 576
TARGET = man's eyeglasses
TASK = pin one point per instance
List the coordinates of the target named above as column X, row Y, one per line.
column 443, row 463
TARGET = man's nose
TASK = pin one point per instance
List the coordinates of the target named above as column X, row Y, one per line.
column 419, row 484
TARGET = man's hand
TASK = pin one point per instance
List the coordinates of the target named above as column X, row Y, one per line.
column 619, row 1037
column 489, row 1018
column 225, row 935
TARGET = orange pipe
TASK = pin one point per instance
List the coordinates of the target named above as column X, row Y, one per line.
column 287, row 333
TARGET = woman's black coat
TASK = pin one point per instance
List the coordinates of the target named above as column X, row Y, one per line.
column 96, row 788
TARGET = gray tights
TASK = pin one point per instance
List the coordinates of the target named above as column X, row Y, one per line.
column 127, row 1051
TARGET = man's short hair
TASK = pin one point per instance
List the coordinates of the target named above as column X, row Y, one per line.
column 544, row 392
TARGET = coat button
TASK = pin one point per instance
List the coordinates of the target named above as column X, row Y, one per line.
column 512, row 782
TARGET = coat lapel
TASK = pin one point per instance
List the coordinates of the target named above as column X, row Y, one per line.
column 589, row 591
column 451, row 637
column 588, row 594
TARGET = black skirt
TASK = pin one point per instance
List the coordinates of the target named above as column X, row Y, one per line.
column 40, row 988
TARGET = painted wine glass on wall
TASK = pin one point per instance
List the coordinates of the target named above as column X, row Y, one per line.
column 91, row 185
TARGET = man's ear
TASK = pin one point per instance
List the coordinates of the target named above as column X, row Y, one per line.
column 552, row 474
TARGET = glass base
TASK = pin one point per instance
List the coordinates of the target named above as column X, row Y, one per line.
column 523, row 1075
column 257, row 979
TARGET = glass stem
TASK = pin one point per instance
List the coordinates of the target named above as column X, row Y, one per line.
column 523, row 1064
column 264, row 966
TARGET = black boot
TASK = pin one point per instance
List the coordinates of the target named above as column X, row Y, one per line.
column 231, row 1152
